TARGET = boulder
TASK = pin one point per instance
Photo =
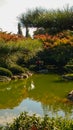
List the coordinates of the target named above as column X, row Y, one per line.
column 4, row 79
column 70, row 95
column 25, row 76
column 67, row 77
column 29, row 73
column 14, row 77
column 21, row 76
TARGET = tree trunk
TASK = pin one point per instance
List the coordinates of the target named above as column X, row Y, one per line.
column 27, row 32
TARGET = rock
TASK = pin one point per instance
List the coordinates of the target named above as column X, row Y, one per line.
column 4, row 79
column 20, row 76
column 67, row 77
column 70, row 95
column 14, row 77
column 29, row 73
column 25, row 75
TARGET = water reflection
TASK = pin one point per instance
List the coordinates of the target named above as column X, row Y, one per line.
column 31, row 86
column 12, row 93
column 51, row 112
column 7, row 115
column 37, row 94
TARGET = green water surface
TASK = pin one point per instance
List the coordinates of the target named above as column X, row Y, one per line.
column 40, row 94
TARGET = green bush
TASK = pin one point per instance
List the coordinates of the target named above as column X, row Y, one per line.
column 58, row 55
column 5, row 72
column 16, row 69
column 33, row 122
column 3, row 61
column 33, row 68
column 18, row 53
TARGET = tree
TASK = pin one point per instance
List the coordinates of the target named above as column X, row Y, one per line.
column 24, row 23
column 31, row 19
column 52, row 20
column 19, row 29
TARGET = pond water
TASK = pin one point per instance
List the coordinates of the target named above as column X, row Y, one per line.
column 41, row 94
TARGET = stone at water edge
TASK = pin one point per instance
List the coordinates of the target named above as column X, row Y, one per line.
column 70, row 95
column 67, row 77
column 4, row 79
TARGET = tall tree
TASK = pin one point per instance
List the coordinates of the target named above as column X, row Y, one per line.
column 19, row 29
column 30, row 19
column 53, row 20
column 23, row 19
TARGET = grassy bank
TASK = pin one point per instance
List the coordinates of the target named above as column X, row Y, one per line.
column 15, row 55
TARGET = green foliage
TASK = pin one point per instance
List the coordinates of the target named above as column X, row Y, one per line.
column 28, row 122
column 5, row 72
column 24, row 45
column 58, row 55
column 31, row 17
column 61, row 54
column 40, row 31
column 53, row 20
column 18, row 53
column 3, row 48
column 70, row 62
column 16, row 69
column 26, row 52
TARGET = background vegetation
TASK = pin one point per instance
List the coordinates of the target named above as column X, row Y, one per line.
column 41, row 52
column 50, row 21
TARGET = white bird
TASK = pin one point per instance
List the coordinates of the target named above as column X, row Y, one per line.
column 32, row 85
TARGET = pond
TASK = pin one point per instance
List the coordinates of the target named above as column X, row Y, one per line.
column 41, row 94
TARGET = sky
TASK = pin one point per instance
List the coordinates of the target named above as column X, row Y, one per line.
column 11, row 9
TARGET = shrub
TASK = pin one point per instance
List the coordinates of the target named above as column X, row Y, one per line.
column 3, row 61
column 33, row 68
column 10, row 37
column 16, row 69
column 58, row 55
column 5, row 72
column 33, row 122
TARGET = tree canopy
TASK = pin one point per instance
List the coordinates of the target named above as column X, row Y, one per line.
column 52, row 20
